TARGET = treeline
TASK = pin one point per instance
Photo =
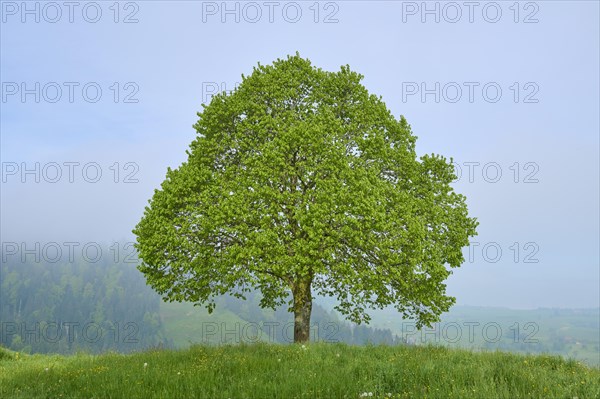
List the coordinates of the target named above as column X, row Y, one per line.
column 77, row 306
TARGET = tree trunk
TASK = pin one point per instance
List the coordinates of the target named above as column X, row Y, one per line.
column 302, row 310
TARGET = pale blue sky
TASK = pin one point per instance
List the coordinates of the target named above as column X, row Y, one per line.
column 170, row 54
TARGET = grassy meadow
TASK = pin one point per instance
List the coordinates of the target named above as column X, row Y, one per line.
column 294, row 371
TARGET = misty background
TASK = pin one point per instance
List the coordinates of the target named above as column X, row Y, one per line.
column 528, row 155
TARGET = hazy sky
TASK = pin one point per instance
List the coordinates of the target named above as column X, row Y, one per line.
column 509, row 90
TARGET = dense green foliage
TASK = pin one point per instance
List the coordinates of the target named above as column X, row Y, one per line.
column 301, row 181
column 295, row 371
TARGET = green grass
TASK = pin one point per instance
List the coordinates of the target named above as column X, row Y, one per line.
column 291, row 371
column 6, row 354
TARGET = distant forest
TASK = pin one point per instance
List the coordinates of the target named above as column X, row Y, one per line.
column 106, row 306
column 69, row 307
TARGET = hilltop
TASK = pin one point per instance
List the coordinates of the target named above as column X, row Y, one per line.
column 294, row 371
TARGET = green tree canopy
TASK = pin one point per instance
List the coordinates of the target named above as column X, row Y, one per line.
column 301, row 181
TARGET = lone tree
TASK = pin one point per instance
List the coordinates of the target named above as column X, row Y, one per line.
column 300, row 181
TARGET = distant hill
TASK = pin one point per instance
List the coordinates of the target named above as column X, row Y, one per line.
column 572, row 333
column 235, row 321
